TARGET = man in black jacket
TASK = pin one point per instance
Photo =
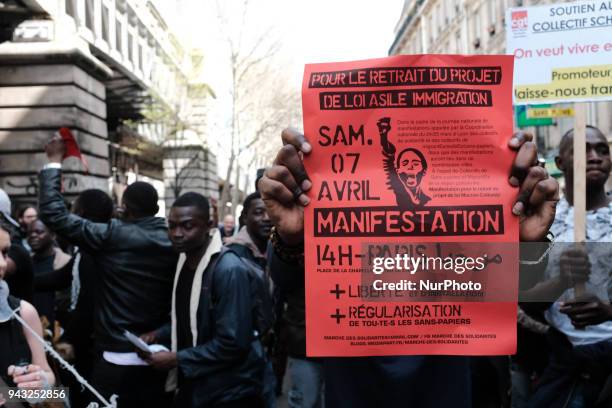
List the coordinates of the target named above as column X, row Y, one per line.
column 97, row 206
column 136, row 263
column 251, row 245
column 218, row 357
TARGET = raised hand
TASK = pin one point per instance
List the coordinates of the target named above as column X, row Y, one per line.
column 283, row 185
column 55, row 149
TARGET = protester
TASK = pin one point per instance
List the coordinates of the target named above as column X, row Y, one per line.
column 26, row 215
column 215, row 350
column 228, row 228
column 289, row 350
column 96, row 206
column 22, row 361
column 529, row 361
column 251, row 244
column 136, row 263
column 51, row 270
column 19, row 273
column 278, row 350
column 5, row 211
column 305, row 374
column 390, row 381
column 580, row 344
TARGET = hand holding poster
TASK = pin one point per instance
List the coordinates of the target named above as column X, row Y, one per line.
column 410, row 172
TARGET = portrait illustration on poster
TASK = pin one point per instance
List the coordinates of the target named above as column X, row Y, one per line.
column 404, row 173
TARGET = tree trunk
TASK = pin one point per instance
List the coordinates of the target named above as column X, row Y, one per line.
column 236, row 192
column 225, row 192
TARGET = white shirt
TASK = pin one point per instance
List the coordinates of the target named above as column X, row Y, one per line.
column 599, row 233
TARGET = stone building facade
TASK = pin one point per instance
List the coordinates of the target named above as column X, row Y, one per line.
column 476, row 27
column 93, row 66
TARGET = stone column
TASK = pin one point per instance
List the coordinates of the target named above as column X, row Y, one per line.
column 45, row 86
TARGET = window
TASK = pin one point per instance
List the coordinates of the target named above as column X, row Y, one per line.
column 119, row 36
column 153, row 60
column 89, row 12
column 456, row 42
column 130, row 47
column 70, row 8
column 477, row 24
column 140, row 58
column 433, row 22
column 443, row 13
column 105, row 25
column 492, row 10
column 419, row 44
column 451, row 13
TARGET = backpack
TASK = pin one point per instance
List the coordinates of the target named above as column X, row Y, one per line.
column 263, row 306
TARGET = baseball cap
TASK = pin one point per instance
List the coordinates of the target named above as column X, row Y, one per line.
column 5, row 209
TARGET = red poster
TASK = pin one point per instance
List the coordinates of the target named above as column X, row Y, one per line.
column 411, row 244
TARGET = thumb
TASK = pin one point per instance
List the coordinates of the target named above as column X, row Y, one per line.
column 535, row 227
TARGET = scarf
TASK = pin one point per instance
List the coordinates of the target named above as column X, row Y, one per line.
column 214, row 247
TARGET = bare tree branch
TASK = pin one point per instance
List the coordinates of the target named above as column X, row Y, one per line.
column 260, row 102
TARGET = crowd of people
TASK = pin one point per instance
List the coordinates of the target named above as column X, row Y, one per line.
column 221, row 308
